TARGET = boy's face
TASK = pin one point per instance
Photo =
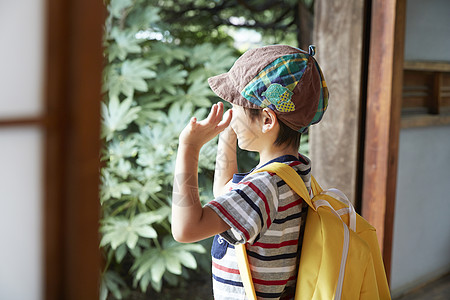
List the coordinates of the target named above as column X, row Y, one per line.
column 247, row 130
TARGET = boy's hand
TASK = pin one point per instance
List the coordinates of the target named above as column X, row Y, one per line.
column 198, row 133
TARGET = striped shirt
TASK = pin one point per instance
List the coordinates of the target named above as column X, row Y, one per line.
column 267, row 215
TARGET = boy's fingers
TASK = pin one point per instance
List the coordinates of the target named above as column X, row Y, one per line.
column 218, row 114
column 226, row 121
column 212, row 113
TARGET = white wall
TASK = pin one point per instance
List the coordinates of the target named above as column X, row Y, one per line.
column 21, row 86
column 20, row 221
column 427, row 30
column 421, row 245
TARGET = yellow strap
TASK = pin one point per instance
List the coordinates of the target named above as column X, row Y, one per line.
column 244, row 270
column 290, row 176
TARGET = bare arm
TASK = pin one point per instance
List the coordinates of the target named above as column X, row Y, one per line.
column 226, row 161
column 190, row 221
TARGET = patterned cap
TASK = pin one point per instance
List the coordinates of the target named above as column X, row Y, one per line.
column 285, row 79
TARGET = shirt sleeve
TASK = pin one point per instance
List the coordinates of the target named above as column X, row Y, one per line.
column 249, row 208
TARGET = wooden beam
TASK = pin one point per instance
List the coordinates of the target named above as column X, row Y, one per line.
column 436, row 66
column 425, row 120
column 384, row 98
column 23, row 121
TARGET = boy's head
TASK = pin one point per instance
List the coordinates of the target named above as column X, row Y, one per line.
column 284, row 79
column 286, row 136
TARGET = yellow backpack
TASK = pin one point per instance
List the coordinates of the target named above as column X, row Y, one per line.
column 340, row 257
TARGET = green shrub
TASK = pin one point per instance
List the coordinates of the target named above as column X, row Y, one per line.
column 153, row 85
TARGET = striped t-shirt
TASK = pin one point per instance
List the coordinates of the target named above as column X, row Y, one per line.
column 267, row 215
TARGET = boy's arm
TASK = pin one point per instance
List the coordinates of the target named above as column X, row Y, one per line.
column 226, row 162
column 190, row 221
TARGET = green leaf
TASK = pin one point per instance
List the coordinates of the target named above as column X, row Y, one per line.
column 157, row 270
column 130, row 77
column 168, row 79
column 145, row 280
column 173, row 263
column 199, row 93
column 143, row 19
column 146, row 232
column 132, row 239
column 117, row 116
column 146, row 218
column 187, row 259
column 111, row 187
column 169, row 53
column 117, row 7
column 112, row 282
column 119, row 230
column 125, row 43
column 118, row 149
column 150, row 188
column 121, row 251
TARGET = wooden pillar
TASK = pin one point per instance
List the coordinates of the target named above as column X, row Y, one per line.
column 74, row 64
column 384, row 98
column 334, row 142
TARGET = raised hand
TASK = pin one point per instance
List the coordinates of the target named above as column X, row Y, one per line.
column 198, row 133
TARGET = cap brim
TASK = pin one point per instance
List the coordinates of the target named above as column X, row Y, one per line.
column 225, row 89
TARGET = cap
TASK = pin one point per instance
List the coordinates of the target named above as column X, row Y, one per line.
column 285, row 79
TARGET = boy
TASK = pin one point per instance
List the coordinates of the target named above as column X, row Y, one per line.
column 277, row 92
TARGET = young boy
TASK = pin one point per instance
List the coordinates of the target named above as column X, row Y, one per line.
column 277, row 92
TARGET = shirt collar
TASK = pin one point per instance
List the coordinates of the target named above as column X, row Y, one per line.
column 237, row 177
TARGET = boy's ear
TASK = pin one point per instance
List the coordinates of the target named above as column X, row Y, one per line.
column 269, row 120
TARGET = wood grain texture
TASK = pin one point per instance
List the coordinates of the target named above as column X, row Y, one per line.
column 23, row 121
column 384, row 98
column 424, row 121
column 74, row 65
column 438, row 66
column 338, row 36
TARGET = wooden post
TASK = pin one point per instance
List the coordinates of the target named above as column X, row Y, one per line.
column 74, row 64
column 384, row 98
column 436, row 96
column 334, row 142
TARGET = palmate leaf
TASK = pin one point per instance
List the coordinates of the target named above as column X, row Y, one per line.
column 168, row 79
column 129, row 77
column 117, row 115
column 201, row 54
column 120, row 230
column 143, row 18
column 171, row 257
column 169, row 53
column 149, row 189
column 112, row 282
column 210, row 65
column 111, row 187
column 118, row 149
column 125, row 42
column 121, row 167
column 116, row 7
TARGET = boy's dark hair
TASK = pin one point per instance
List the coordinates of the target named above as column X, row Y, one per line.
column 286, row 135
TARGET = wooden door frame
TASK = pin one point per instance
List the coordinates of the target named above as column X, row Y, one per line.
column 73, row 73
column 382, row 120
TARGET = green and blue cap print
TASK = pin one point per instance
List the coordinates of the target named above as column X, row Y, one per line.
column 285, row 79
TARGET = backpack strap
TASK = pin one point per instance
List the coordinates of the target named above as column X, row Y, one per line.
column 290, row 176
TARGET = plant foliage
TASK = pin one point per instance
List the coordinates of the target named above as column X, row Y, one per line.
column 153, row 84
